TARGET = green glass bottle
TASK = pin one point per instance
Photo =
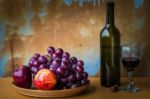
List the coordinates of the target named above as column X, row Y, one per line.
column 110, row 50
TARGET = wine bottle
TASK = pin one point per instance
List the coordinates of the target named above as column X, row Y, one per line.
column 110, row 50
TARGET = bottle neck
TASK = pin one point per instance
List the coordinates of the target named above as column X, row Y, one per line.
column 110, row 13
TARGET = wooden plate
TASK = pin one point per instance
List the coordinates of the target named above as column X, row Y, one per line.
column 51, row 93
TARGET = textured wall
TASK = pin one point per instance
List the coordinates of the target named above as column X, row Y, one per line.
column 29, row 26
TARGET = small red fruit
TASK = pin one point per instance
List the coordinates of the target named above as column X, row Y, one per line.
column 45, row 79
column 22, row 77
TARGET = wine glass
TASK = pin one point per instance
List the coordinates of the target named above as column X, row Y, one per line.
column 131, row 56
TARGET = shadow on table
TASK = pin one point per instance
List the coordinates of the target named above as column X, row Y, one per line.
column 142, row 83
column 89, row 91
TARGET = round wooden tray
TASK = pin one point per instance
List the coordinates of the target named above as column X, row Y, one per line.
column 51, row 93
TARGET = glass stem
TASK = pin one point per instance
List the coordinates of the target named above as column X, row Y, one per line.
column 130, row 75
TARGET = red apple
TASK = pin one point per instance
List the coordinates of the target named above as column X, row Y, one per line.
column 45, row 79
column 22, row 77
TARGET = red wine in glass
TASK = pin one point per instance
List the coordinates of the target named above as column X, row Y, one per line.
column 130, row 63
column 130, row 57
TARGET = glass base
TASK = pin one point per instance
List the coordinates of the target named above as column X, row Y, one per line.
column 131, row 88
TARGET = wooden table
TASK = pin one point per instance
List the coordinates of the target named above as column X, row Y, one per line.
column 94, row 92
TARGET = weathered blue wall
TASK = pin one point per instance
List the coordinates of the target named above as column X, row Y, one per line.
column 32, row 25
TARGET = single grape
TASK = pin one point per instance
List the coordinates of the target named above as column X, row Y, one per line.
column 79, row 69
column 32, row 59
column 85, row 75
column 65, row 65
column 51, row 50
column 80, row 63
column 78, row 76
column 34, row 69
column 74, row 67
column 36, row 63
column 42, row 60
column 31, row 63
column 73, row 60
column 59, row 52
column 64, row 59
column 50, row 66
column 53, row 69
column 58, row 59
column 36, row 55
column 43, row 66
column 63, row 81
column 66, row 55
column 56, row 63
column 55, row 56
column 60, row 71
column 72, row 78
column 66, row 73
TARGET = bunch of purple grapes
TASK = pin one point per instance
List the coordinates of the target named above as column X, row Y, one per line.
column 69, row 70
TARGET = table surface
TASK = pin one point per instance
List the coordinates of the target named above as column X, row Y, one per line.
column 94, row 92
